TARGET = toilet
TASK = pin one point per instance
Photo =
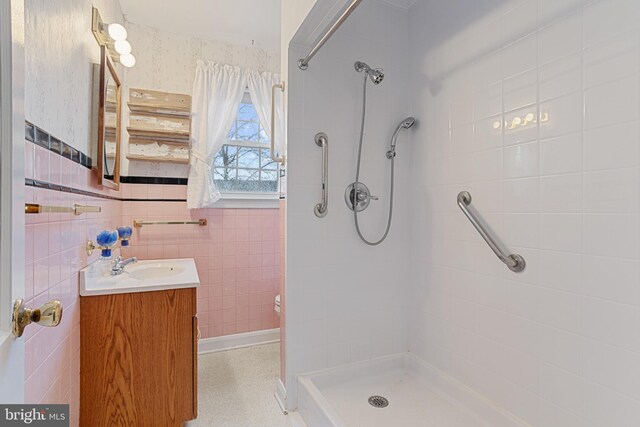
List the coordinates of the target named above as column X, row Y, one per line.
column 277, row 304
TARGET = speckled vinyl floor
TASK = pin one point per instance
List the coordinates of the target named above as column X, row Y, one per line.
column 235, row 388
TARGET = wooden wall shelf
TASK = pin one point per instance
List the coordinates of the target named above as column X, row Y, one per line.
column 159, row 159
column 156, row 102
column 159, row 118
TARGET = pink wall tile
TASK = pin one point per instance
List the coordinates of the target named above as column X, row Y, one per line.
column 237, row 256
column 54, row 253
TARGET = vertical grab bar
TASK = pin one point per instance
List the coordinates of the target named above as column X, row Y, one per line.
column 321, row 208
column 514, row 261
column 279, row 159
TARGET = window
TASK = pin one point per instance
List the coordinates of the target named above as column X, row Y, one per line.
column 243, row 164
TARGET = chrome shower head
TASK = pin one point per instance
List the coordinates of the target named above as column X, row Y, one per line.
column 408, row 122
column 375, row 74
column 405, row 124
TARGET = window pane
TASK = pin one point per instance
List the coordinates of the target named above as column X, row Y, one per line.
column 248, row 131
column 224, row 174
column 268, row 186
column 266, row 161
column 249, row 174
column 231, row 136
column 227, row 156
column 264, row 138
column 246, row 169
column 248, row 158
column 247, row 112
column 269, row 175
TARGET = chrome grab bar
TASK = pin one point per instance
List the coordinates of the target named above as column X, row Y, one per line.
column 514, row 261
column 303, row 63
column 274, row 157
column 321, row 208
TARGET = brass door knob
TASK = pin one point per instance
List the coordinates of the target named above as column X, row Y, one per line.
column 49, row 314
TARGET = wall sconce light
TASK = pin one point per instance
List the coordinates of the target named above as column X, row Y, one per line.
column 114, row 38
column 528, row 119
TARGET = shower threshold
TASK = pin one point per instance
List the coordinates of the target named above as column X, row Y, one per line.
column 417, row 394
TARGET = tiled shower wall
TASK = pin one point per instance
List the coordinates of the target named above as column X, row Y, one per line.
column 237, row 255
column 55, row 252
column 346, row 301
column 559, row 344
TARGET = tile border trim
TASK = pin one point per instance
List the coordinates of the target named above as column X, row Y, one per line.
column 49, row 142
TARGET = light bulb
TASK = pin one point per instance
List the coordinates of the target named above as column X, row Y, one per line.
column 529, row 118
column 128, row 60
column 123, row 47
column 117, row 32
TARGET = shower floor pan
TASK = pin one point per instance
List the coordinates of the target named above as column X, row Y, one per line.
column 418, row 394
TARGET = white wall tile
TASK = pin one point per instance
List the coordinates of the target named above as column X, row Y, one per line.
column 560, row 270
column 611, row 278
column 561, row 155
column 519, row 56
column 565, row 116
column 610, row 191
column 611, row 103
column 561, row 77
column 612, row 323
column 520, row 90
column 561, row 232
column 605, row 407
column 521, row 161
column 612, row 367
column 612, row 147
column 611, row 235
column 561, row 193
column 560, row 387
column 562, row 38
column 604, row 19
column 612, row 59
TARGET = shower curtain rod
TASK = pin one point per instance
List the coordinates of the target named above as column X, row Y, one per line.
column 303, row 63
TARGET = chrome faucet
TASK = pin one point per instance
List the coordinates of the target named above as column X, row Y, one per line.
column 119, row 264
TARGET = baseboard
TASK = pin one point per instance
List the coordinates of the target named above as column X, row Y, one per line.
column 229, row 342
column 281, row 396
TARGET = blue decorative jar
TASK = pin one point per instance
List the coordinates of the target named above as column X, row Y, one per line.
column 124, row 233
column 106, row 239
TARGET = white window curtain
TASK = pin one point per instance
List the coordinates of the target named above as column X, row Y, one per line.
column 217, row 92
column 260, row 89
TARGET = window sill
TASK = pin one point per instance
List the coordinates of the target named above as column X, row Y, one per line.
column 248, row 201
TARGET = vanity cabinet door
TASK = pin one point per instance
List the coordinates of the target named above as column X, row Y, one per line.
column 137, row 361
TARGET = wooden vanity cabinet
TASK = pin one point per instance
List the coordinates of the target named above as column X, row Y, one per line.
column 138, row 359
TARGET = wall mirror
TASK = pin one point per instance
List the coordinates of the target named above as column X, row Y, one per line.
column 108, row 126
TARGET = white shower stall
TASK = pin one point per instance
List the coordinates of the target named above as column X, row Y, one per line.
column 531, row 106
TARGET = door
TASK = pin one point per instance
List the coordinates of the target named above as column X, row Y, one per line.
column 11, row 196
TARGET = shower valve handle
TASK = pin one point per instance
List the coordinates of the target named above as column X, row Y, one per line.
column 362, row 196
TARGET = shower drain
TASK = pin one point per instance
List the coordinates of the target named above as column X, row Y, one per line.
column 378, row 402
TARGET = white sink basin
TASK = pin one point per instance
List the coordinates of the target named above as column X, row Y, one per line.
column 143, row 276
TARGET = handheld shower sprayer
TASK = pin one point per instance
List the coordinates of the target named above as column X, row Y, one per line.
column 405, row 124
column 375, row 74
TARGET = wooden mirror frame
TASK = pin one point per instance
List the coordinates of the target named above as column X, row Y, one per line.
column 107, row 66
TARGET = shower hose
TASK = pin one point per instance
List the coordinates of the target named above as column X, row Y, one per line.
column 355, row 211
